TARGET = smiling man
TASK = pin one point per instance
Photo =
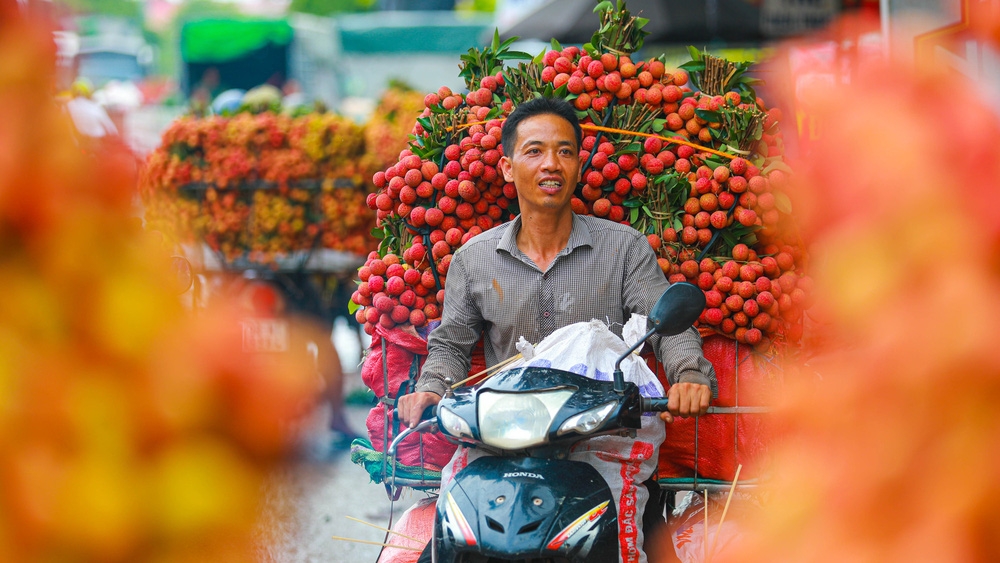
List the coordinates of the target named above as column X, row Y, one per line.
column 549, row 268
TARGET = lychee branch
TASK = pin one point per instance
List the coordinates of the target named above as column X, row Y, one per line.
column 597, row 139
column 592, row 127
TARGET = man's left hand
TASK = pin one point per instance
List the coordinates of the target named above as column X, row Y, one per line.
column 686, row 399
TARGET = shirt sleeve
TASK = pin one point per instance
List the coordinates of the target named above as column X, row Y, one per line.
column 449, row 346
column 681, row 355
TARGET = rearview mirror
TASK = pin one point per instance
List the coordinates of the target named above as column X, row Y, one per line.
column 677, row 309
column 183, row 275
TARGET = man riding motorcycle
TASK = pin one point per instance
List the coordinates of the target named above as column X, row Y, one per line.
column 549, row 268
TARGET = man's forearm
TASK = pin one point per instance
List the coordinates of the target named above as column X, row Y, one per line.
column 683, row 360
column 447, row 358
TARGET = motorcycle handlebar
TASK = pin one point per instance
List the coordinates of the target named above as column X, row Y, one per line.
column 423, row 426
column 654, row 405
column 429, row 413
column 660, row 405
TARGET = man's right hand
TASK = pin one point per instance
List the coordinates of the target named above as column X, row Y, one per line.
column 409, row 407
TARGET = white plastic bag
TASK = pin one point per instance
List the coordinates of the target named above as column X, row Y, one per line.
column 687, row 526
column 590, row 349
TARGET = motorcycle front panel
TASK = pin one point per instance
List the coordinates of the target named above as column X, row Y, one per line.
column 527, row 508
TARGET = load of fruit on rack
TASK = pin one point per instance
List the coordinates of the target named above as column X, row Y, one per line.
column 692, row 157
column 265, row 188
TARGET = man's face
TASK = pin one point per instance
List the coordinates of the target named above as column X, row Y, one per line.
column 543, row 164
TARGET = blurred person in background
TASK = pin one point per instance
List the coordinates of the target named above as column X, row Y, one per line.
column 89, row 118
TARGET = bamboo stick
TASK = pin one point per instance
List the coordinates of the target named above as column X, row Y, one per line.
column 494, row 368
column 378, row 543
column 725, row 510
column 674, row 140
column 704, row 542
column 385, row 529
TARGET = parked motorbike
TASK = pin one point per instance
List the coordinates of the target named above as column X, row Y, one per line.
column 527, row 501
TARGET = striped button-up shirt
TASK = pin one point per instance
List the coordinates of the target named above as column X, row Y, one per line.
column 607, row 272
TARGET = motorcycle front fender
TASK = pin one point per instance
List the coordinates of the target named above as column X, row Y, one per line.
column 526, row 508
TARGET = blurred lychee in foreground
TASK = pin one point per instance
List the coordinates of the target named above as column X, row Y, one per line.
column 130, row 429
column 889, row 449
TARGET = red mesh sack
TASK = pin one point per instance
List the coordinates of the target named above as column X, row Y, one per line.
column 724, row 440
column 396, row 354
column 416, row 523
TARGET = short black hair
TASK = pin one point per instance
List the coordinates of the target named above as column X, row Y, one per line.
column 539, row 106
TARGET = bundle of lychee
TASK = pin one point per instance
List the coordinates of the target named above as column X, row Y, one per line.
column 691, row 157
column 444, row 189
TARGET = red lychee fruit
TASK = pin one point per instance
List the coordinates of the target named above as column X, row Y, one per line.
column 602, row 207
column 738, row 166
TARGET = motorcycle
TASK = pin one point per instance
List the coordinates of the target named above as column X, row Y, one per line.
column 527, row 501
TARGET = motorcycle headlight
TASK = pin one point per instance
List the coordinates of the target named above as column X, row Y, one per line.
column 454, row 424
column 587, row 421
column 514, row 421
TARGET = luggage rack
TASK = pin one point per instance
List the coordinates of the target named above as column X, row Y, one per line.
column 697, row 483
column 676, row 484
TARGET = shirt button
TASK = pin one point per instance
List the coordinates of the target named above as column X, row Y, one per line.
column 545, row 276
column 546, row 314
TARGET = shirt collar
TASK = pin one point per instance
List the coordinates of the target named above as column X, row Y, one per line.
column 580, row 236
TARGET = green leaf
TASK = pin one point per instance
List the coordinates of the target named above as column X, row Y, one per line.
column 695, row 54
column 496, row 40
column 633, row 216
column 352, row 307
column 641, row 22
column 709, row 116
column 507, row 43
column 659, row 124
column 604, row 6
column 734, row 150
column 378, row 233
column 776, row 164
column 678, row 225
column 693, row 66
column 555, row 45
column 632, row 202
column 589, row 48
column 714, row 162
column 750, row 81
column 514, row 56
column 782, row 202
